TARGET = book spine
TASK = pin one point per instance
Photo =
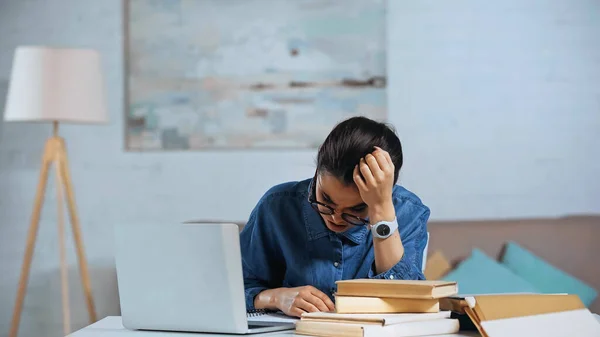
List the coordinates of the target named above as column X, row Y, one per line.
column 354, row 304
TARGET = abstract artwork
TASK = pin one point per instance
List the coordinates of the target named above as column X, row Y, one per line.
column 208, row 74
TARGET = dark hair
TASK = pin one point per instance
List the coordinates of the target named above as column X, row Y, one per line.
column 351, row 140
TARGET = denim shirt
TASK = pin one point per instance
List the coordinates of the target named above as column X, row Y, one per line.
column 285, row 243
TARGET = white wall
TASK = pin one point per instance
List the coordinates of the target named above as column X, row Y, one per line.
column 498, row 105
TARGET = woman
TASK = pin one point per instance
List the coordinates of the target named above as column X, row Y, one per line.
column 349, row 221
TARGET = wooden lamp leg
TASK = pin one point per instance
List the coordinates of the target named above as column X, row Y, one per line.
column 55, row 152
column 64, row 275
column 31, row 238
column 83, row 267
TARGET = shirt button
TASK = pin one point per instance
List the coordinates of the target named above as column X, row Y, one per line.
column 391, row 277
column 336, row 264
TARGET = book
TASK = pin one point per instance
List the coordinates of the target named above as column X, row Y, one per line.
column 499, row 306
column 406, row 329
column 579, row 322
column 376, row 319
column 551, row 315
column 418, row 289
column 360, row 304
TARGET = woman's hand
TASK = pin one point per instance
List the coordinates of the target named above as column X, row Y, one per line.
column 376, row 184
column 296, row 301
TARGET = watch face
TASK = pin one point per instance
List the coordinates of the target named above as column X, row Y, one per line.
column 383, row 230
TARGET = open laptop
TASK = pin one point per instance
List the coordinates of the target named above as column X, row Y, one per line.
column 184, row 277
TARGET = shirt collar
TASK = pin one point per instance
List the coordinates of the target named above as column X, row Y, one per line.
column 356, row 234
column 316, row 229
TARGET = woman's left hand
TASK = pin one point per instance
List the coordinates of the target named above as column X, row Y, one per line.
column 376, row 184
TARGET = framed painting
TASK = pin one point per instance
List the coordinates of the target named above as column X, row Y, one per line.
column 215, row 74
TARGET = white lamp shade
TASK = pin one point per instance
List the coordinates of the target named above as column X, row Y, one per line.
column 56, row 84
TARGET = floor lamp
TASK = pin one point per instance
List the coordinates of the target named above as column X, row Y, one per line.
column 55, row 85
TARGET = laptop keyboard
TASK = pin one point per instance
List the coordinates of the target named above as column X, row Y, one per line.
column 259, row 324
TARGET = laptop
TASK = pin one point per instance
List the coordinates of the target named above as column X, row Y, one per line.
column 185, row 277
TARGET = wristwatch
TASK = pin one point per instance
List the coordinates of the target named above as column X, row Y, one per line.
column 384, row 229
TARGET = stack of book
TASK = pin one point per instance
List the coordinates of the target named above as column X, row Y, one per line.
column 392, row 296
column 367, row 307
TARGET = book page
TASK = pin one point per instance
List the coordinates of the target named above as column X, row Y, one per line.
column 580, row 323
column 384, row 319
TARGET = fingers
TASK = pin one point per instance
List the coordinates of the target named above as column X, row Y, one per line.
column 375, row 167
column 307, row 299
column 366, row 172
column 383, row 159
column 295, row 311
column 385, row 164
column 305, row 304
column 358, row 180
column 377, row 170
column 318, row 303
column 373, row 163
column 389, row 159
column 327, row 302
column 315, row 297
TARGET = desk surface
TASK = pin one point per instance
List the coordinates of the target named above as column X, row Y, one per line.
column 112, row 327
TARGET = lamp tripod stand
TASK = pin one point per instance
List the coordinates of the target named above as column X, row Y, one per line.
column 55, row 153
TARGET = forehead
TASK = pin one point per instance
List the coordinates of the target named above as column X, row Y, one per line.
column 340, row 193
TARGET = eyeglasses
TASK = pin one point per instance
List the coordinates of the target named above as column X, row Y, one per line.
column 328, row 210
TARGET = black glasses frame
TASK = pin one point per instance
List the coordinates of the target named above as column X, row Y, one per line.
column 349, row 218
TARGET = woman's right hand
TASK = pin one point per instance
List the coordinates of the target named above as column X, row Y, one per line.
column 296, row 301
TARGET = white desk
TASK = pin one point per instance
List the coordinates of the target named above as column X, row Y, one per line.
column 112, row 327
